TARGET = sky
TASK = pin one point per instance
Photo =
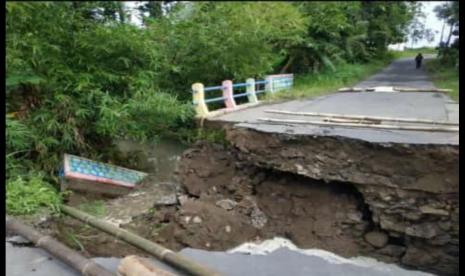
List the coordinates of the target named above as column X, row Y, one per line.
column 430, row 21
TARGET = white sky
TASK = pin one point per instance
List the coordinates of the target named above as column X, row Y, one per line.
column 430, row 21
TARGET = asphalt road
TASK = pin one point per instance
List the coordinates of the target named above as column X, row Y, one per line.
column 401, row 73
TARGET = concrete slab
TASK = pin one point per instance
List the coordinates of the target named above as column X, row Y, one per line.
column 22, row 261
column 25, row 261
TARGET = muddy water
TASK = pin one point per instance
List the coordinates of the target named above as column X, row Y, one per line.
column 159, row 158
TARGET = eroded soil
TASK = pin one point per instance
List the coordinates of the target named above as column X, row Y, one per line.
column 223, row 200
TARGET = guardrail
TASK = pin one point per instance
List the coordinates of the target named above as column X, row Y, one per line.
column 271, row 84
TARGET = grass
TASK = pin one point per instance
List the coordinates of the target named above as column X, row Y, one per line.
column 27, row 195
column 96, row 208
column 408, row 52
column 444, row 77
column 314, row 85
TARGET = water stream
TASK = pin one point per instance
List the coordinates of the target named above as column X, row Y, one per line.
column 159, row 158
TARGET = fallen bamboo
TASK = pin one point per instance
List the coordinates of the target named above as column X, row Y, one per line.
column 355, row 121
column 393, row 127
column 57, row 249
column 362, row 117
column 136, row 266
column 407, row 89
column 356, row 89
column 160, row 252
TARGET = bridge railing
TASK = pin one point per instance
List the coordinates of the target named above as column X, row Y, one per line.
column 271, row 84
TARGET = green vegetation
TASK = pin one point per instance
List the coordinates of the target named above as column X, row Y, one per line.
column 26, row 195
column 328, row 81
column 445, row 77
column 96, row 208
column 444, row 70
column 409, row 52
column 79, row 75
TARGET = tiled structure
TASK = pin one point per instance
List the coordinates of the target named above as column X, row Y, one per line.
column 87, row 175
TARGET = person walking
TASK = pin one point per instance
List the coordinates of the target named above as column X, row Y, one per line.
column 418, row 60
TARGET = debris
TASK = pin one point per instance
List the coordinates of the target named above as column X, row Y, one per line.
column 258, row 218
column 226, row 204
column 166, row 200
column 90, row 176
column 197, row 219
column 136, row 266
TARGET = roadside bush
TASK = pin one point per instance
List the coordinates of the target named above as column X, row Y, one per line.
column 26, row 195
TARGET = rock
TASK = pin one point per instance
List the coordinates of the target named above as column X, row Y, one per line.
column 425, row 230
column 361, row 227
column 226, row 204
column 182, row 199
column 412, row 216
column 258, row 218
column 166, row 200
column 377, row 239
column 354, row 217
column 433, row 211
column 227, row 229
column 197, row 219
column 454, row 241
column 452, row 250
column 388, row 223
column 440, row 240
column 418, row 257
column 392, row 250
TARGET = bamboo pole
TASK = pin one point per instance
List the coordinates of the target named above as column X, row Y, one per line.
column 354, row 121
column 57, row 249
column 160, row 252
column 407, row 89
column 136, row 266
column 361, row 117
column 419, row 128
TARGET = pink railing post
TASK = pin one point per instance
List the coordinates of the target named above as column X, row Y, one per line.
column 228, row 94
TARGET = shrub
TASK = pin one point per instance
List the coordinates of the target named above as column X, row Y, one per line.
column 26, row 195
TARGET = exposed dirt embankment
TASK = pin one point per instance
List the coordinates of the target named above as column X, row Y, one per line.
column 411, row 190
column 397, row 203
column 229, row 202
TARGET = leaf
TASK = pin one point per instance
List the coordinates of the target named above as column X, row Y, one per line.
column 15, row 80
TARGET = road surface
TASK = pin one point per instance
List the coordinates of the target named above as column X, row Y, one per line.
column 417, row 105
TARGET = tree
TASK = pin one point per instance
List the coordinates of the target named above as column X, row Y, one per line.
column 417, row 28
column 449, row 12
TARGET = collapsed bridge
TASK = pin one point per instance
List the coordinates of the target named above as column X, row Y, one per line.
column 405, row 165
